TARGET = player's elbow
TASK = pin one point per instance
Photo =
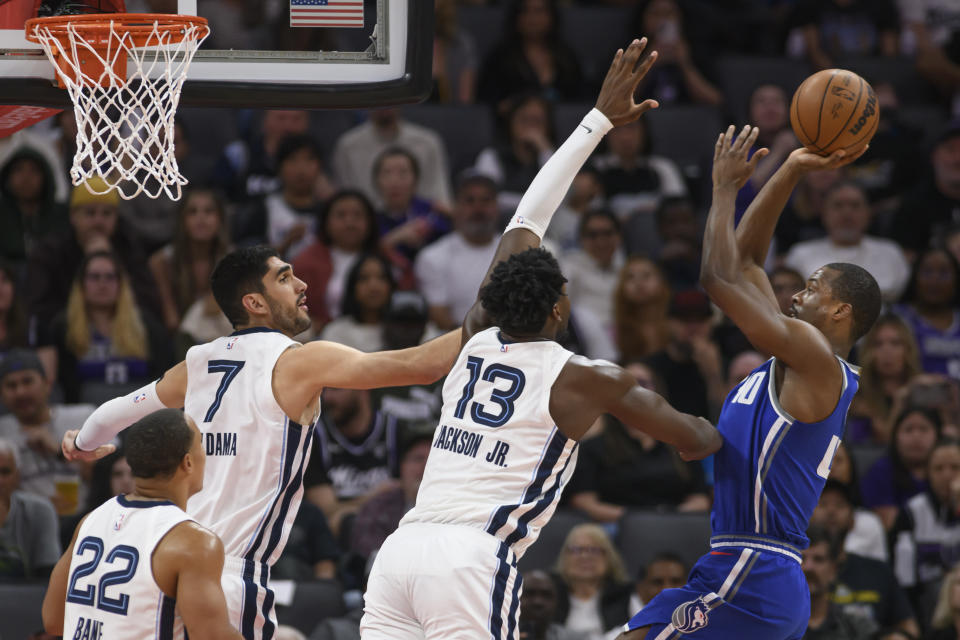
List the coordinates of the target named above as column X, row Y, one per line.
column 706, row 437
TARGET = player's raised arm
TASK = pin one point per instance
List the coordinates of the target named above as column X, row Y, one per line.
column 797, row 343
column 615, row 106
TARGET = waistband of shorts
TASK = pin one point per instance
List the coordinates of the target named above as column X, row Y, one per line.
column 241, row 566
column 461, row 529
column 756, row 542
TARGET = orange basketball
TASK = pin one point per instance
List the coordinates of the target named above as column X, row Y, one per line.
column 834, row 109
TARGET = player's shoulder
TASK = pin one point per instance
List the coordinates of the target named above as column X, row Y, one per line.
column 190, row 538
column 580, row 370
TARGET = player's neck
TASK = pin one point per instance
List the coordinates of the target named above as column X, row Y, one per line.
column 512, row 337
column 148, row 492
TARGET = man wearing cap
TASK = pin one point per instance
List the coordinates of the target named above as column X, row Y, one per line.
column 690, row 364
column 451, row 269
column 94, row 225
column 36, row 427
column 935, row 204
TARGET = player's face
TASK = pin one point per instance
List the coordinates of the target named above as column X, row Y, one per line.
column 815, row 302
column 286, row 298
column 199, row 456
column 661, row 575
column 818, row 568
column 943, row 471
column 563, row 304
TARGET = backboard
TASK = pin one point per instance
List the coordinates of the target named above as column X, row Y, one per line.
column 385, row 61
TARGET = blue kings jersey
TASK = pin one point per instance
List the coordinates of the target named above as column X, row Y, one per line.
column 771, row 468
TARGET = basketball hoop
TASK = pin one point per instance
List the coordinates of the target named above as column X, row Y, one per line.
column 124, row 118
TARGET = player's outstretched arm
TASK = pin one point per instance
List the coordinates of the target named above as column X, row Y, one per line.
column 615, row 106
column 91, row 442
column 55, row 599
column 799, row 344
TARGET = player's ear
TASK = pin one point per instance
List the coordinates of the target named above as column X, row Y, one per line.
column 843, row 311
column 254, row 303
column 187, row 463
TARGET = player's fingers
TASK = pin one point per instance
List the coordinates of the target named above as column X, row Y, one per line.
column 645, row 106
column 728, row 137
column 759, row 155
column 742, row 142
column 645, row 65
column 104, row 450
column 718, row 148
column 751, row 139
column 633, row 52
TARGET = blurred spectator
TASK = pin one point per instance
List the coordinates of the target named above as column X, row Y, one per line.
column 946, row 614
column 407, row 221
column 951, row 241
column 29, row 546
column 676, row 78
column 624, row 468
column 768, row 110
column 926, row 535
column 54, row 261
column 311, row 552
column 586, row 194
column 471, row 247
column 28, row 208
column 454, row 57
column 858, row 530
column 741, row 366
column 846, row 216
column 593, row 593
column 380, row 516
column 538, row 606
column 36, row 427
column 182, row 269
column 105, row 344
column 526, row 141
column 531, row 56
column 640, row 304
column 680, row 234
column 247, row 169
column 592, row 272
column 347, row 228
column 365, row 300
column 111, row 476
column 285, row 219
column 827, row 620
column 801, row 219
column 356, row 456
column 837, row 29
column 786, row 283
column 932, row 33
column 902, row 472
column 13, row 317
column 690, row 364
column 931, row 308
column 667, row 570
column 934, row 203
column 633, row 179
column 357, row 150
column 888, row 361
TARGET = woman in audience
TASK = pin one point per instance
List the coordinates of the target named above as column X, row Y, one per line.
column 930, row 308
column 182, row 269
column 902, row 473
column 105, row 344
column 365, row 300
column 348, row 227
column 527, row 141
column 593, row 592
column 946, row 615
column 769, row 112
column 640, row 307
column 927, row 532
column 531, row 56
column 454, row 57
column 889, row 361
column 13, row 317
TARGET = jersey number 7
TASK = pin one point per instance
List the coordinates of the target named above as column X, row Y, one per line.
column 229, row 369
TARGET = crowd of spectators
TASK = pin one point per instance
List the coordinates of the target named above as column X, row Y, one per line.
column 392, row 227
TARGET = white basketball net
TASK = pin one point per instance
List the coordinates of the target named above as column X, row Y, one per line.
column 125, row 124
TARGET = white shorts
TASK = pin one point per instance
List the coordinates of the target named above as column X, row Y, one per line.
column 436, row 581
column 249, row 600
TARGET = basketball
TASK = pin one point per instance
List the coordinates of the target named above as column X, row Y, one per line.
column 834, row 109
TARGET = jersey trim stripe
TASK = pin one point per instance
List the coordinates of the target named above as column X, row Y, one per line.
column 248, row 615
column 514, row 604
column 268, row 626
column 292, row 488
column 499, row 591
column 167, row 605
column 523, row 523
column 286, row 455
column 758, row 485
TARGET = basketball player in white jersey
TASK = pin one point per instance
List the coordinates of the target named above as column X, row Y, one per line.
column 138, row 566
column 514, row 406
column 255, row 395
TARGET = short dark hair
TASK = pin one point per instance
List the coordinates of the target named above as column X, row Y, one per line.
column 522, row 291
column 238, row 273
column 663, row 556
column 606, row 214
column 669, row 203
column 296, row 143
column 855, row 286
column 817, row 534
column 389, row 152
column 155, row 444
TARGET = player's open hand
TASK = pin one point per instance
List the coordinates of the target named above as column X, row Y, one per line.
column 616, row 100
column 732, row 162
column 70, row 451
column 806, row 161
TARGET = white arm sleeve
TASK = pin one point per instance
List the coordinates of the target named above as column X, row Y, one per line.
column 549, row 188
column 115, row 415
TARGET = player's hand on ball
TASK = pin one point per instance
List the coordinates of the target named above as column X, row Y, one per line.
column 616, row 100
column 806, row 161
column 70, row 451
column 732, row 163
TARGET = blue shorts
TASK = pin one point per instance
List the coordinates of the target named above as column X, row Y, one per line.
column 732, row 593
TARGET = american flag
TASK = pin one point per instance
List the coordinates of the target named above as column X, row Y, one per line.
column 326, row 13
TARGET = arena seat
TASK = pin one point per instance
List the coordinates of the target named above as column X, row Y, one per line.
column 926, row 118
column 312, row 602
column 864, row 456
column 595, row 33
column 485, row 26
column 684, row 133
column 543, row 553
column 466, row 129
column 911, row 88
column 738, row 76
column 644, row 534
column 20, row 606
column 567, row 116
column 208, row 132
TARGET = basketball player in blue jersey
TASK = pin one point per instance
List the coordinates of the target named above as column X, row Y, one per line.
column 255, row 395
column 781, row 425
column 514, row 407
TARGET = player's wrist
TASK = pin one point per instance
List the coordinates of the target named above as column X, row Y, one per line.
column 77, row 444
column 597, row 122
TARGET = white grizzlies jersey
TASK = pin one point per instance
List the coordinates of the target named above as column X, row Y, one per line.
column 498, row 461
column 256, row 455
column 112, row 592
